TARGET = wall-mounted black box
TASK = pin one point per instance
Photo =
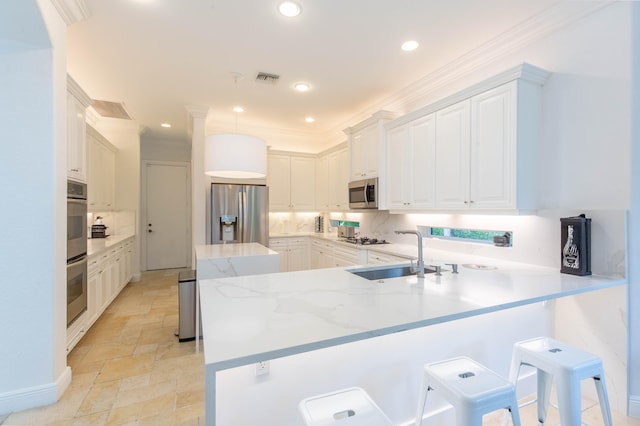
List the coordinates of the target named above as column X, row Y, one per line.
column 575, row 245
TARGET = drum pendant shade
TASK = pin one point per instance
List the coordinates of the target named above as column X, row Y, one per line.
column 234, row 155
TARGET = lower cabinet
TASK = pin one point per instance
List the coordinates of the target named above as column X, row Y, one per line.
column 376, row 258
column 327, row 254
column 108, row 273
column 294, row 253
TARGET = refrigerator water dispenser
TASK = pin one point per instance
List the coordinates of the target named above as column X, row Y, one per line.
column 228, row 228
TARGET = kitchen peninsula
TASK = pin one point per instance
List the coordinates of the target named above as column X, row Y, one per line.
column 265, row 317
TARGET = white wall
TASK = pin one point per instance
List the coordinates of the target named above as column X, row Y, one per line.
column 164, row 150
column 634, row 229
column 33, row 167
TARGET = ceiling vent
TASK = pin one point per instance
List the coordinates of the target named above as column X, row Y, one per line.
column 265, row 77
column 111, row 109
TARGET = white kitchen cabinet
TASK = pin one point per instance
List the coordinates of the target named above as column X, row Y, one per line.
column 101, row 159
column 338, row 171
column 411, row 164
column 485, row 148
column 291, row 181
column 294, row 253
column 346, row 256
column 322, row 183
column 493, row 179
column 108, row 273
column 452, row 156
column 376, row 258
column 332, row 179
column 321, row 254
column 77, row 103
column 366, row 146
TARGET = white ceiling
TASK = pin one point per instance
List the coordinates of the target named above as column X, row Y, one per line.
column 158, row 56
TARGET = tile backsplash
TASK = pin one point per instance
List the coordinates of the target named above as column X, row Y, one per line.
column 536, row 238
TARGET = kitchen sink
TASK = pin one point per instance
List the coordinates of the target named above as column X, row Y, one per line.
column 381, row 273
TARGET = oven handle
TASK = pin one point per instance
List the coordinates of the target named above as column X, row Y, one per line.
column 77, row 260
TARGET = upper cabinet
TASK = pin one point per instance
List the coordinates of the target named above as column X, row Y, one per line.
column 481, row 154
column 411, row 164
column 291, row 180
column 77, row 103
column 332, row 179
column 366, row 146
column 101, row 160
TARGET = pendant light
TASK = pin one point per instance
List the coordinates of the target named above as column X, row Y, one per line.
column 235, row 155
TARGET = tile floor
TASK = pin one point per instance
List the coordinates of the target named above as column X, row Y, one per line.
column 130, row 369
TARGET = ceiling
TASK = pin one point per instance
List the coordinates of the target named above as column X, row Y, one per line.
column 160, row 56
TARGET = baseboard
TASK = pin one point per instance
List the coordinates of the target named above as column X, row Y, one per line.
column 634, row 406
column 35, row 396
column 136, row 277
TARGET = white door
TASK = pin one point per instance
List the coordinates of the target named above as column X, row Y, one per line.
column 167, row 216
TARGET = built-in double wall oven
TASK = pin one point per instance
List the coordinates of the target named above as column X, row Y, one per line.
column 76, row 250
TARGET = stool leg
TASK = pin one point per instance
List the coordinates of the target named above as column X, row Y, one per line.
column 514, row 373
column 601, row 388
column 569, row 402
column 422, row 401
column 515, row 412
column 544, row 394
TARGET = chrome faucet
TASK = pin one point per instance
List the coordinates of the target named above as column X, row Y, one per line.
column 419, row 268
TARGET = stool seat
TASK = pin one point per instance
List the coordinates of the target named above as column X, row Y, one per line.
column 567, row 366
column 470, row 387
column 348, row 407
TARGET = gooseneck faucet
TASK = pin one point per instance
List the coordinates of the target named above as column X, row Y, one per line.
column 419, row 268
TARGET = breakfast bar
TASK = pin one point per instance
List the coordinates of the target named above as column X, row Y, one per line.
column 250, row 319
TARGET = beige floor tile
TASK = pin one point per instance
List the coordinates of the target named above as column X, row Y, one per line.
column 120, row 368
column 100, row 398
column 104, row 351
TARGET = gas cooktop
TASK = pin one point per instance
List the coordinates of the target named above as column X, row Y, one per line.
column 365, row 241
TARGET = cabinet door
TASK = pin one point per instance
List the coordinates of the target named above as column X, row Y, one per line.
column 397, row 174
column 322, row 184
column 280, row 246
column 76, row 140
column 278, row 179
column 493, row 139
column 302, row 178
column 452, row 152
column 364, row 153
column 422, row 161
column 338, row 167
column 298, row 257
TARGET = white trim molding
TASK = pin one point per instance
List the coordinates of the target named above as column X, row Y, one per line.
column 72, row 11
column 634, row 406
column 35, row 396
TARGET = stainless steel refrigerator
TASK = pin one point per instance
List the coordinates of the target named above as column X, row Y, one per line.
column 239, row 214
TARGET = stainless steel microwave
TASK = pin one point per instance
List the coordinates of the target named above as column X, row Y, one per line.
column 363, row 194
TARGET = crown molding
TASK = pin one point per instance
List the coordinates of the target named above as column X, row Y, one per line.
column 72, row 11
column 553, row 19
column 75, row 89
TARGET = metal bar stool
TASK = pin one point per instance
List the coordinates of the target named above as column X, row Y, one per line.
column 348, row 407
column 471, row 388
column 568, row 366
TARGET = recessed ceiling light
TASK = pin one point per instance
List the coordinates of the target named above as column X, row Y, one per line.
column 238, row 109
column 167, row 125
column 302, row 87
column 410, row 45
column 290, row 9
column 309, row 119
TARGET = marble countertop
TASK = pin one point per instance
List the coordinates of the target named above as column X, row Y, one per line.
column 253, row 318
column 98, row 245
column 216, row 251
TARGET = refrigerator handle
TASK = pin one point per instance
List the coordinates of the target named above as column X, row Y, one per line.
column 242, row 220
